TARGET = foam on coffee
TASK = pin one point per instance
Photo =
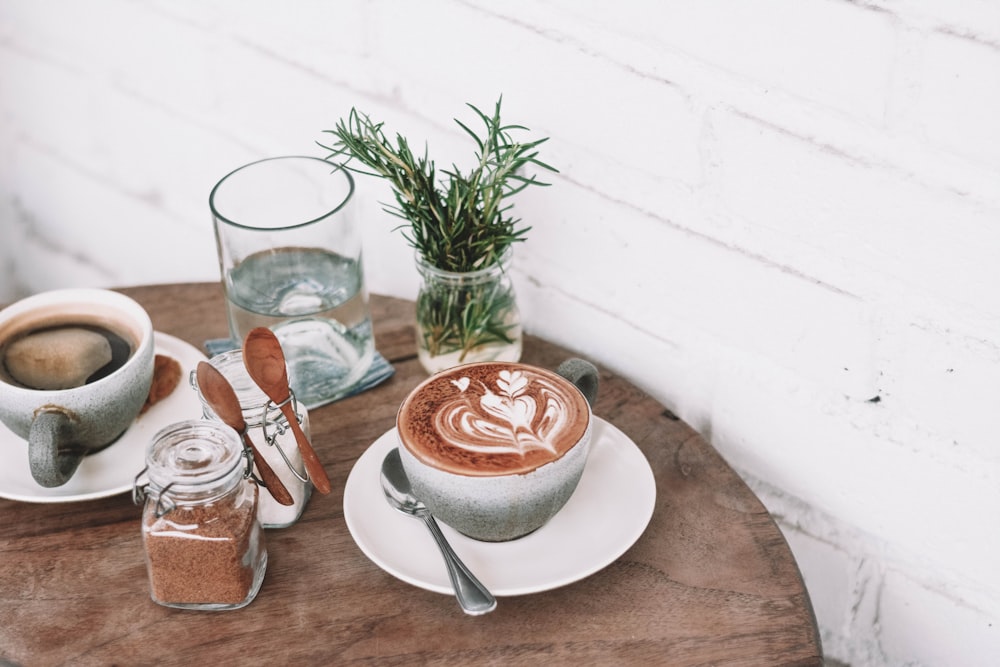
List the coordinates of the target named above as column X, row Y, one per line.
column 59, row 347
column 492, row 419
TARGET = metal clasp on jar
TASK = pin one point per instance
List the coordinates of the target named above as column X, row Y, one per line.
column 164, row 504
column 275, row 428
column 140, row 491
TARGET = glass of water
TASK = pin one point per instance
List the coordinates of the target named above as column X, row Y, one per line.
column 290, row 257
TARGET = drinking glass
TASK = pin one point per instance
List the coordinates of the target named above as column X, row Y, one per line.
column 290, row 258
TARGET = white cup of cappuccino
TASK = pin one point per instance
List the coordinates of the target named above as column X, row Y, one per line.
column 76, row 366
column 496, row 449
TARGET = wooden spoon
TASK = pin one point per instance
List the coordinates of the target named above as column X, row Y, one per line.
column 265, row 362
column 220, row 395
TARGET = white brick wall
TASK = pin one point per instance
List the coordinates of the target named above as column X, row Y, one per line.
column 768, row 214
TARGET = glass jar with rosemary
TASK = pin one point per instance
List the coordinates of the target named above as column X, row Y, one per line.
column 467, row 316
column 462, row 228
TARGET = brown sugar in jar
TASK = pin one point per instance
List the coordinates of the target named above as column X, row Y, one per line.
column 204, row 544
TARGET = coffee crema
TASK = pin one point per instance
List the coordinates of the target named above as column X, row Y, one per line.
column 60, row 349
column 492, row 418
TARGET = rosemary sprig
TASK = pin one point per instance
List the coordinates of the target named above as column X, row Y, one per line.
column 457, row 222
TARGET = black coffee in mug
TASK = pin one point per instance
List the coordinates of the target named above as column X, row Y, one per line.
column 63, row 356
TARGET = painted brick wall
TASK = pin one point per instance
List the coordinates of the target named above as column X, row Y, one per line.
column 781, row 218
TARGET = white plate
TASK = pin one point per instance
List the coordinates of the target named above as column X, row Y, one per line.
column 110, row 471
column 607, row 513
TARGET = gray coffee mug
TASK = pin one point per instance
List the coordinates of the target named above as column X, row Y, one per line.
column 503, row 506
column 63, row 425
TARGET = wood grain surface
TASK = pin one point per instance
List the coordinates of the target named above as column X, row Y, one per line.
column 711, row 582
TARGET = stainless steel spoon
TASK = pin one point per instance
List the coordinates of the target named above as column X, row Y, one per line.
column 472, row 596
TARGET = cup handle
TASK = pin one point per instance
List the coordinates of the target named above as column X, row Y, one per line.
column 583, row 374
column 52, row 454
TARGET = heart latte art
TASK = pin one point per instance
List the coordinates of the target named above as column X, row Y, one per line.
column 507, row 420
column 492, row 418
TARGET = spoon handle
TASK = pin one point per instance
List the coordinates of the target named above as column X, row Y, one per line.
column 272, row 482
column 313, row 465
column 473, row 597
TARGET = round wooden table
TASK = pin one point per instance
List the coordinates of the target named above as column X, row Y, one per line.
column 710, row 582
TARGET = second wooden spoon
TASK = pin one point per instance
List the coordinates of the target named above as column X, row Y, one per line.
column 265, row 362
column 220, row 395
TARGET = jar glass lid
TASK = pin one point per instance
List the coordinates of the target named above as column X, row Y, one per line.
column 191, row 454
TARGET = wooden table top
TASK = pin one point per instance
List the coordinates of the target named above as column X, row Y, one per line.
column 711, row 581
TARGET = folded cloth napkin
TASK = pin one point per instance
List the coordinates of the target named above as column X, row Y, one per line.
column 379, row 371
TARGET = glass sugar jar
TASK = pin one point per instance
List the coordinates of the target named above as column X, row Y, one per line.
column 268, row 428
column 204, row 545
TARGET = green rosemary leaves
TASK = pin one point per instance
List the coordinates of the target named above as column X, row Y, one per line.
column 462, row 228
column 458, row 222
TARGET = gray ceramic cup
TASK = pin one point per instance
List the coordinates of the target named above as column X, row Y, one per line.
column 496, row 449
column 63, row 425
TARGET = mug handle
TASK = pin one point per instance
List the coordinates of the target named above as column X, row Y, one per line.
column 583, row 374
column 52, row 454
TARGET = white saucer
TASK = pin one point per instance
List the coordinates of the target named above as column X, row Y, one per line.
column 605, row 516
column 110, row 471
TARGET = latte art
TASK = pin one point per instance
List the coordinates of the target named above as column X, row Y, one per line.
column 493, row 418
column 508, row 420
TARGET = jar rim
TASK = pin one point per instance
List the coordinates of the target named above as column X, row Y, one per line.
column 487, row 272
